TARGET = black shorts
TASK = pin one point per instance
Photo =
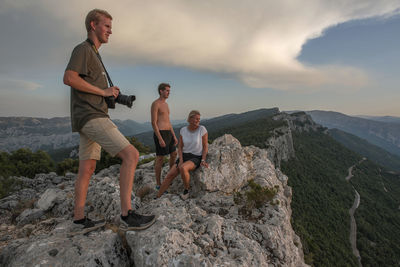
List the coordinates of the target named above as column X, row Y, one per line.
column 189, row 156
column 169, row 143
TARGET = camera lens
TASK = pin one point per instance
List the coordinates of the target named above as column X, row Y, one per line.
column 125, row 100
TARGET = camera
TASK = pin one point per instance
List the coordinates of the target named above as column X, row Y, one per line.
column 126, row 100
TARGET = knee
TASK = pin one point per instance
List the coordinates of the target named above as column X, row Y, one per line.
column 87, row 172
column 130, row 154
column 91, row 169
column 135, row 154
column 86, row 169
column 183, row 169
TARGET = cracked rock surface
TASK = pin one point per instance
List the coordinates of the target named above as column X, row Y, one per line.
column 208, row 229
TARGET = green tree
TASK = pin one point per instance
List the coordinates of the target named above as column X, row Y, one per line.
column 29, row 164
column 67, row 165
column 7, row 168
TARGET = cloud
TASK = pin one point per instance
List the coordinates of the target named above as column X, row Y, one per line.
column 258, row 41
column 15, row 85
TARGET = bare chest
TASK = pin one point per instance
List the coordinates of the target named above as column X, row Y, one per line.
column 163, row 110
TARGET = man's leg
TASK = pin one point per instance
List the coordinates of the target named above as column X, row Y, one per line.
column 107, row 135
column 157, row 168
column 130, row 158
column 130, row 220
column 172, row 159
column 86, row 169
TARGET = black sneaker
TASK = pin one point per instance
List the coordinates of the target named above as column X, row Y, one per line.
column 134, row 221
column 185, row 195
column 86, row 225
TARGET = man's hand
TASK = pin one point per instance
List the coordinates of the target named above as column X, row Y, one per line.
column 111, row 91
column 175, row 140
column 162, row 143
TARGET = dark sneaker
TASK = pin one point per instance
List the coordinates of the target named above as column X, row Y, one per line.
column 86, row 225
column 185, row 195
column 136, row 221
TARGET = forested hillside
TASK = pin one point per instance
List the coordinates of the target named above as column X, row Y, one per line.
column 378, row 216
column 321, row 198
column 383, row 134
column 251, row 133
column 366, row 149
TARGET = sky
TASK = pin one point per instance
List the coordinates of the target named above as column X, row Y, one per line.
column 220, row 56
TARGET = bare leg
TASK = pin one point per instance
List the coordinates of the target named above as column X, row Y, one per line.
column 86, row 169
column 172, row 159
column 158, row 167
column 184, row 170
column 173, row 172
column 130, row 158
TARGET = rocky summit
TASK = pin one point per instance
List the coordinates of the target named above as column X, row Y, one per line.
column 217, row 226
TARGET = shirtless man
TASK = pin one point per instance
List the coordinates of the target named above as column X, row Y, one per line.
column 164, row 135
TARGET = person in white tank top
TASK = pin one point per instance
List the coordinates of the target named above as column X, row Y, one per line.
column 192, row 151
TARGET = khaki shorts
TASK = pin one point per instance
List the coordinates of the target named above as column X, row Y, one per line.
column 100, row 133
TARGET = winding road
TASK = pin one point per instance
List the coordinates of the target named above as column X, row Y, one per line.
column 353, row 225
column 353, row 228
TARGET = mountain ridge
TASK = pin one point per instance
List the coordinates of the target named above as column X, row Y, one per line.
column 49, row 134
column 383, row 134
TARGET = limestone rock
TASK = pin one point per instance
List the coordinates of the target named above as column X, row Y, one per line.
column 209, row 229
column 231, row 167
column 29, row 216
column 48, row 199
column 102, row 248
column 280, row 145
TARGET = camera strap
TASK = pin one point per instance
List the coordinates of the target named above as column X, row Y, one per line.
column 101, row 61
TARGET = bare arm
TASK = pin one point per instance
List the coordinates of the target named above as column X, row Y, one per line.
column 73, row 79
column 154, row 120
column 204, row 141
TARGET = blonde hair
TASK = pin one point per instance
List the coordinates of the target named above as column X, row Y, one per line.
column 193, row 113
column 95, row 15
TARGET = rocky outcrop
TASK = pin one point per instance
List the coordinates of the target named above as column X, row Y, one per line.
column 301, row 121
column 280, row 145
column 211, row 228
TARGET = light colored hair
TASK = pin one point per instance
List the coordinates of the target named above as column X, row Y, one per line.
column 95, row 15
column 193, row 113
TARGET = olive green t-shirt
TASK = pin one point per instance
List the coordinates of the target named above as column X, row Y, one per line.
column 85, row 106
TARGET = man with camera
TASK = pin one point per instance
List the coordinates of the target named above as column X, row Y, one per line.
column 90, row 99
column 164, row 135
